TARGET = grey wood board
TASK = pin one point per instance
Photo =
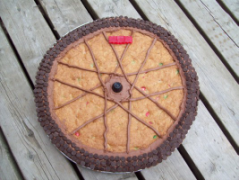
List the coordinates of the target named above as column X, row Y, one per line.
column 219, row 28
column 233, row 6
column 65, row 15
column 28, row 30
column 89, row 174
column 36, row 156
column 216, row 83
column 8, row 170
column 172, row 168
column 108, row 8
column 209, row 148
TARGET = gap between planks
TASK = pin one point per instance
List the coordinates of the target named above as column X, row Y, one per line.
column 47, row 19
column 219, row 123
column 228, row 11
column 190, row 163
column 90, row 10
column 6, row 151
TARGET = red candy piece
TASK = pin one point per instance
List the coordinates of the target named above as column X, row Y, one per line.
column 120, row 39
column 147, row 114
column 143, row 88
column 77, row 134
column 150, row 122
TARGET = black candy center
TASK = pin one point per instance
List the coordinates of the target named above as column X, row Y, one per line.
column 117, row 87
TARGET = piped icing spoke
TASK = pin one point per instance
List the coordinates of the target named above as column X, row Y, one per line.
column 139, row 119
column 93, row 119
column 143, row 63
column 105, row 97
column 117, row 57
column 77, row 87
column 128, row 129
column 161, row 107
column 151, row 69
column 156, row 93
column 76, row 98
column 84, row 69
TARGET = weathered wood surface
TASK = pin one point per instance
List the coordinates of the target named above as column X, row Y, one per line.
column 89, row 174
column 29, row 31
column 28, row 135
column 172, row 168
column 219, row 27
column 233, row 6
column 209, row 148
column 8, row 170
column 216, row 83
column 65, row 15
column 35, row 155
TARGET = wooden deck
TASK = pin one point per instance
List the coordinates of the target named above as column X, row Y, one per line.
column 208, row 31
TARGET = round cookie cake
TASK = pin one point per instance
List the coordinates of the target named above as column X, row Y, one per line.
column 117, row 94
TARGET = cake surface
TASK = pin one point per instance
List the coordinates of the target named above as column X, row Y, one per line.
column 117, row 131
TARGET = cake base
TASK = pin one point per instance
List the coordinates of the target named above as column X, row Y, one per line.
column 115, row 162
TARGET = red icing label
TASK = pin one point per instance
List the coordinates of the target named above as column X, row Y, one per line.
column 120, row 39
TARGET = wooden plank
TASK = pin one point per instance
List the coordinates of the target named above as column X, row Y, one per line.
column 65, row 14
column 172, row 168
column 89, row 174
column 233, row 6
column 219, row 27
column 29, row 31
column 8, row 168
column 35, row 155
column 108, row 8
column 216, row 83
column 210, row 150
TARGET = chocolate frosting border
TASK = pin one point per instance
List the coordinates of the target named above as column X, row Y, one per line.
column 113, row 162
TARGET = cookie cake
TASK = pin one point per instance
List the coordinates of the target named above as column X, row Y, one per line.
column 117, row 94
